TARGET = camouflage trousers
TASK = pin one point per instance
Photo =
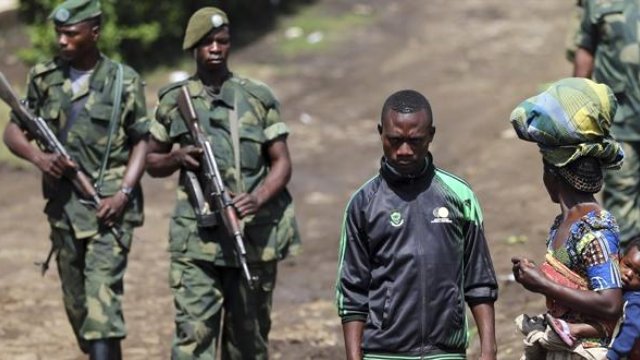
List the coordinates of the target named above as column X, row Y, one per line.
column 621, row 195
column 91, row 273
column 206, row 295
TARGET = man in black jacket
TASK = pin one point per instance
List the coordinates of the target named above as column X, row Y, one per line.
column 413, row 251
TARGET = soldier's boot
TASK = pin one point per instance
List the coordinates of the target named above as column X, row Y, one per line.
column 105, row 349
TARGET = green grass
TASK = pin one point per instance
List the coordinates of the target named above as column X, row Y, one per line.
column 314, row 19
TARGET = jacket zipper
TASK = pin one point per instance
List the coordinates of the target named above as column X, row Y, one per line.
column 423, row 297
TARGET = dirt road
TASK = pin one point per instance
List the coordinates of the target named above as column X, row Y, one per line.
column 474, row 59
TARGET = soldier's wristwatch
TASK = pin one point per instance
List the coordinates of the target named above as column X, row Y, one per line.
column 127, row 191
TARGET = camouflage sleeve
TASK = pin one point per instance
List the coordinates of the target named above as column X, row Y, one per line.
column 586, row 36
column 274, row 126
column 574, row 31
column 161, row 125
column 137, row 121
column 158, row 131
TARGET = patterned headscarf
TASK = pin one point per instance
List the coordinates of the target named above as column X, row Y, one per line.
column 570, row 120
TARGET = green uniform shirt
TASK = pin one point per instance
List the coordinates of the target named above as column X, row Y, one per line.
column 49, row 96
column 272, row 233
column 609, row 30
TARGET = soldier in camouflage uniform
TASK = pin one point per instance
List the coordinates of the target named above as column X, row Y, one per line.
column 573, row 30
column 207, row 283
column 76, row 94
column 608, row 50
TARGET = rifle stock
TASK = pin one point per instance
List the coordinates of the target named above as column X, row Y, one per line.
column 215, row 189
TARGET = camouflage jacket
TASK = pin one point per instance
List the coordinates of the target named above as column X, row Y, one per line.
column 49, row 96
column 573, row 30
column 272, row 233
column 609, row 30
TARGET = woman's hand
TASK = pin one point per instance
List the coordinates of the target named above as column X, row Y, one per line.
column 527, row 274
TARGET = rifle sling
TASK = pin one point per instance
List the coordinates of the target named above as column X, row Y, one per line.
column 115, row 114
column 234, row 128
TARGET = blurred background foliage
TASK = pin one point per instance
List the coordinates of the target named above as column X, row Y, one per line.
column 146, row 33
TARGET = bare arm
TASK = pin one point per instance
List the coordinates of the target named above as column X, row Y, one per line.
column 162, row 161
column 113, row 206
column 136, row 164
column 484, row 316
column 276, row 180
column 605, row 304
column 353, row 339
column 54, row 165
column 583, row 63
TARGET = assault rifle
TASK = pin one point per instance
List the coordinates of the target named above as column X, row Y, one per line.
column 215, row 194
column 47, row 141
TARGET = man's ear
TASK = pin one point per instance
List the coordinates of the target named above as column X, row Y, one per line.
column 380, row 129
column 432, row 130
column 95, row 32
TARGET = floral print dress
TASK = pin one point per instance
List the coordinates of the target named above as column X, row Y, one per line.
column 591, row 251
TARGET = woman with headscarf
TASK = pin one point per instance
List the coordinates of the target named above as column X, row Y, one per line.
column 580, row 278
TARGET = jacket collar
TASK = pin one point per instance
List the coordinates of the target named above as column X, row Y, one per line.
column 392, row 176
column 227, row 91
column 100, row 71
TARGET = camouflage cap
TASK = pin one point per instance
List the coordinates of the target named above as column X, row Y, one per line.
column 201, row 23
column 74, row 11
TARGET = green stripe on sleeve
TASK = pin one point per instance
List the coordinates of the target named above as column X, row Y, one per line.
column 342, row 250
column 462, row 191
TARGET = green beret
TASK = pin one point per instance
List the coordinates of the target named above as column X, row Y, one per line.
column 74, row 11
column 201, row 23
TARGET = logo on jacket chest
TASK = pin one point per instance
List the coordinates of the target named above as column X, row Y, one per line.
column 395, row 219
column 441, row 215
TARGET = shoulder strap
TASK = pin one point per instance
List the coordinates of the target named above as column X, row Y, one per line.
column 234, row 129
column 115, row 114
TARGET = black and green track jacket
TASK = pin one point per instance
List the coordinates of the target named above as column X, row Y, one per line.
column 412, row 252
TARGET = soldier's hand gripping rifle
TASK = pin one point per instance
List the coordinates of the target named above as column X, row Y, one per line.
column 47, row 141
column 215, row 192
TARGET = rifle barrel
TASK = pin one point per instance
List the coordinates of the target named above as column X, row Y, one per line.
column 7, row 94
column 47, row 139
column 212, row 173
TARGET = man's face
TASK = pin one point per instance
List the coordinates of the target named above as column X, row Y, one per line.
column 406, row 139
column 75, row 41
column 630, row 269
column 213, row 50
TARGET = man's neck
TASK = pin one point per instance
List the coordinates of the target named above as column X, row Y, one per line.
column 416, row 172
column 214, row 79
column 392, row 175
column 86, row 62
